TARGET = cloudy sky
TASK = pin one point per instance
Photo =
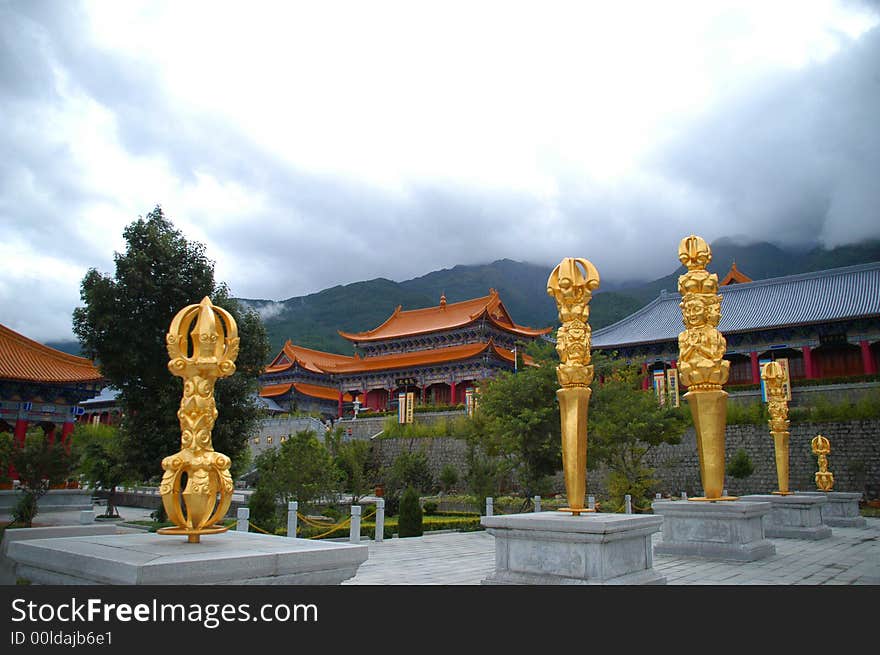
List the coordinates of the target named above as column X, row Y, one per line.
column 320, row 143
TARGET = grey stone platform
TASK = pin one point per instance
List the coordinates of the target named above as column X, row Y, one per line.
column 54, row 500
column 841, row 510
column 793, row 516
column 555, row 548
column 152, row 559
column 721, row 530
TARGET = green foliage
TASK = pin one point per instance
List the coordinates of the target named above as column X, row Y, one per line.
column 123, row 324
column 520, row 423
column 40, row 464
column 626, row 423
column 101, row 460
column 354, row 460
column 740, row 465
column 740, row 413
column 429, row 507
column 300, row 469
column 7, row 444
column 264, row 509
column 484, row 471
column 409, row 469
column 448, row 477
column 410, row 522
column 457, row 426
column 823, row 409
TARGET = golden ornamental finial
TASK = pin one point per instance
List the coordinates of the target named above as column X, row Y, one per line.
column 208, row 492
column 572, row 284
column 701, row 365
column 822, row 447
column 777, row 406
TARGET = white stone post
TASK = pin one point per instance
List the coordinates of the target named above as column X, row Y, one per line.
column 242, row 515
column 724, row 493
column 86, row 516
column 292, row 509
column 591, row 502
column 537, row 500
column 489, row 503
column 658, row 497
column 684, row 495
column 380, row 519
column 354, row 534
column 627, row 504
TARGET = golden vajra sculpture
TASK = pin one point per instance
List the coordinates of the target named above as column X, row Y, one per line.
column 701, row 363
column 208, row 491
column 777, row 405
column 572, row 284
column 824, row 478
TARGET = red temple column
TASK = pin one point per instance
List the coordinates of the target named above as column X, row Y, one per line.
column 809, row 371
column 21, row 426
column 868, row 365
column 646, row 383
column 66, row 431
column 756, row 367
column 452, row 393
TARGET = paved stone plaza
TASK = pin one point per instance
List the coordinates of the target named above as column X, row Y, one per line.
column 849, row 556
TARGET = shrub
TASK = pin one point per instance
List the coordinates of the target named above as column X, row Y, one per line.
column 263, row 509
column 410, row 521
column 448, row 477
column 740, row 466
column 429, row 507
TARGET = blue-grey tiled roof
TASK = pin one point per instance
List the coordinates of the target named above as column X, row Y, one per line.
column 830, row 295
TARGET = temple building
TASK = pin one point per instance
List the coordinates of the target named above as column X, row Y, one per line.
column 826, row 323
column 437, row 353
column 41, row 386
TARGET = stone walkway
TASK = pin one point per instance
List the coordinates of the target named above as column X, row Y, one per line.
column 849, row 556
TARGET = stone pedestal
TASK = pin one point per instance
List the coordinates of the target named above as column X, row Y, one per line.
column 235, row 558
column 722, row 530
column 841, row 510
column 793, row 516
column 54, row 500
column 555, row 548
column 8, row 568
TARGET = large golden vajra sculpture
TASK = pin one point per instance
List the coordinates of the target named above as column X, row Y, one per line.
column 702, row 368
column 777, row 405
column 572, row 284
column 822, row 447
column 208, row 491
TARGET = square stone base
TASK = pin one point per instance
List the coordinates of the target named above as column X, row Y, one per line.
column 556, row 548
column 793, row 516
column 841, row 510
column 235, row 558
column 721, row 530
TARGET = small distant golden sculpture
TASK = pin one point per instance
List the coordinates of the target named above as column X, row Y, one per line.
column 777, row 405
column 824, row 478
column 572, row 284
column 208, row 491
column 702, row 368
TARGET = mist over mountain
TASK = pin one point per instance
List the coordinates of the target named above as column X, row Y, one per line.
column 313, row 320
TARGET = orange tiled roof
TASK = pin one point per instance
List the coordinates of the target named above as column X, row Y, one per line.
column 445, row 316
column 312, row 360
column 421, row 358
column 24, row 359
column 314, row 390
column 735, row 276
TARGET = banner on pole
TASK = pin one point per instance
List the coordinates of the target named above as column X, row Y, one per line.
column 410, row 402
column 401, row 408
column 660, row 386
column 672, row 384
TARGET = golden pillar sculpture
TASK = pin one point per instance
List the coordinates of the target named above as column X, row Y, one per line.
column 702, row 368
column 777, row 405
column 824, row 478
column 208, row 491
column 572, row 284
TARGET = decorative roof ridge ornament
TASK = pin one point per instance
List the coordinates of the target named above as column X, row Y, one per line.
column 701, row 363
column 208, row 491
column 572, row 284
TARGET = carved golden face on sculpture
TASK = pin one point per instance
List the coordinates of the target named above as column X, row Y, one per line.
column 694, row 314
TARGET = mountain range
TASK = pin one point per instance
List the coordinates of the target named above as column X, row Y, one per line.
column 313, row 320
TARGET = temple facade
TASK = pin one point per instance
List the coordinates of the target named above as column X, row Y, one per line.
column 41, row 386
column 436, row 353
column 825, row 323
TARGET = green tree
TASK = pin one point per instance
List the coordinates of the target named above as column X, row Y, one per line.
column 101, row 460
column 409, row 524
column 625, row 424
column 353, row 458
column 448, row 477
column 263, row 507
column 521, row 421
column 740, row 465
column 300, row 469
column 123, row 323
column 40, row 464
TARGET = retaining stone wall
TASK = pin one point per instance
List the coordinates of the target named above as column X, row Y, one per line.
column 439, row 452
